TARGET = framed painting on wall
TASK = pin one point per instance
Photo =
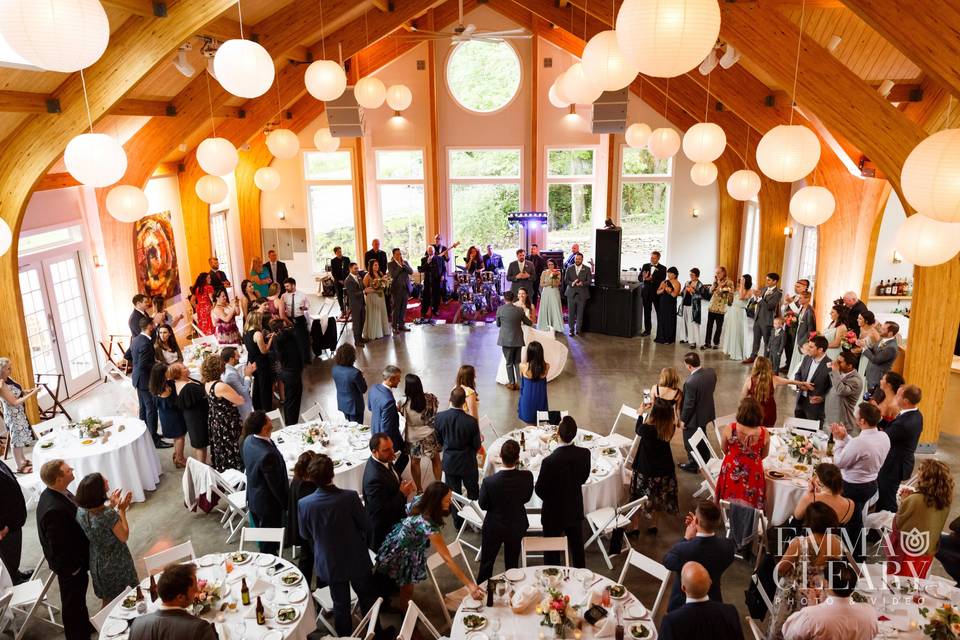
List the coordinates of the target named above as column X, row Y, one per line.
column 156, row 256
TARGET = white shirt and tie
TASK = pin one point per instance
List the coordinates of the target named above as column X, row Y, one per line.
column 860, row 458
column 290, row 300
column 273, row 271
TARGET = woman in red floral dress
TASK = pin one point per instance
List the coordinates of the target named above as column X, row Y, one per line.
column 203, row 303
column 745, row 443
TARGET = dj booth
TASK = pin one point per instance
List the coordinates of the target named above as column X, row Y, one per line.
column 615, row 308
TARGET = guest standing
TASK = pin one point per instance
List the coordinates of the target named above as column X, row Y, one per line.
column 384, row 416
column 698, row 408
column 904, row 433
column 141, row 309
column 419, row 411
column 13, row 399
column 651, row 275
column 654, row 474
column 301, row 485
column 503, row 496
column 511, row 319
column 258, row 344
column 238, row 378
column 577, row 280
column 699, row 612
column 761, row 385
column 459, row 434
column 260, row 276
column 276, row 268
column 178, row 589
column 202, row 294
column 13, row 515
column 550, row 314
column 836, row 333
column 814, row 376
column 745, row 443
column 923, row 515
column 224, row 416
column 192, row 400
column 172, row 424
column 168, row 351
column 734, row 339
column 533, row 384
column 701, row 544
column 290, row 356
column 399, row 271
column 846, row 390
column 768, row 307
column 266, row 474
column 881, row 356
column 667, row 308
column 693, row 293
column 143, row 358
column 349, row 383
column 806, row 325
column 467, row 380
column 107, row 529
column 224, row 315
column 340, row 270
column 859, row 460
column 886, row 397
column 560, row 487
column 218, row 279
column 354, row 290
column 295, row 306
column 384, row 494
column 720, row 295
column 249, row 298
column 522, row 275
column 273, row 307
column 854, row 310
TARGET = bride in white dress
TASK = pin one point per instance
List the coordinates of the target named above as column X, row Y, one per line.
column 377, row 322
column 735, row 322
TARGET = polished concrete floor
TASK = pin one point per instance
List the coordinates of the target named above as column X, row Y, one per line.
column 601, row 374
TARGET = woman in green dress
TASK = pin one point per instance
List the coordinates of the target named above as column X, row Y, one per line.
column 103, row 517
column 551, row 312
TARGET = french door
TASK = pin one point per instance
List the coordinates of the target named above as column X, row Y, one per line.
column 58, row 321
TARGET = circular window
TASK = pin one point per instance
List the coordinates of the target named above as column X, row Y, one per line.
column 483, row 76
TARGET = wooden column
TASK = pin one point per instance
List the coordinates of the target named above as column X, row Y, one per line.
column 774, row 201
column 729, row 216
column 534, row 125
column 359, row 195
column 433, row 225
column 612, row 211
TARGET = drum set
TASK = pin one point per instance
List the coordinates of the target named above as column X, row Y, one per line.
column 478, row 292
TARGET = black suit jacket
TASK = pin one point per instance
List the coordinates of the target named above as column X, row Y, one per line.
column 267, row 483
column 281, row 272
column 504, row 497
column 904, row 433
column 144, row 357
column 65, row 545
column 821, row 377
column 559, row 485
column 459, row 433
column 13, row 510
column 700, row 619
column 133, row 322
column 658, row 273
column 698, row 408
column 384, row 502
column 379, row 256
column 288, row 351
column 340, row 268
column 850, row 319
column 714, row 552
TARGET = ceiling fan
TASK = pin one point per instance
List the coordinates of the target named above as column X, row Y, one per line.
column 467, row 33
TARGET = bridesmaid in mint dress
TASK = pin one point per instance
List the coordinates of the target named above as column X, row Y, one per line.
column 735, row 323
column 551, row 313
column 533, row 384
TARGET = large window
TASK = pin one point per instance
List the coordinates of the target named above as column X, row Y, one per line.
column 329, row 180
column 645, row 185
column 570, row 198
column 750, row 256
column 484, row 190
column 483, row 76
column 400, row 187
column 807, row 267
column 220, row 242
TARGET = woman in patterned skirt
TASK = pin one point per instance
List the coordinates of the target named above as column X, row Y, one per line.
column 223, row 416
column 13, row 397
column 654, row 473
column 745, row 443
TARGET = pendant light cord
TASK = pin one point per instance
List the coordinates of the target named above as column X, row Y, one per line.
column 323, row 37
column 746, row 149
column 86, row 100
column 796, row 68
column 666, row 100
column 240, row 18
column 706, row 107
column 213, row 122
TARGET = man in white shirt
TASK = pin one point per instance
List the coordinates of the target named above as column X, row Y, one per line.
column 238, row 378
column 278, row 269
column 296, row 306
column 838, row 618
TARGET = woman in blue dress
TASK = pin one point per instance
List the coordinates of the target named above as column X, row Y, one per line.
column 533, row 384
column 172, row 424
column 103, row 517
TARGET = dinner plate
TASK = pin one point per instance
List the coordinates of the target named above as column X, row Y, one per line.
column 207, row 561
column 641, row 631
column 265, row 559
column 297, row 595
column 114, row 627
column 483, row 622
column 514, row 575
column 248, row 558
column 273, row 634
column 583, row 574
column 477, row 635
column 636, row 610
column 625, row 594
column 285, row 622
column 293, row 574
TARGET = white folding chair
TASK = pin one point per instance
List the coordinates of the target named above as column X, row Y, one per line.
column 368, row 623
column 652, row 568
column 29, row 596
column 158, row 561
column 324, row 602
column 276, row 417
column 313, row 413
column 763, row 592
column 709, row 484
column 626, row 411
column 4, row 605
column 472, row 515
column 434, row 562
column 755, row 630
column 409, row 624
column 487, row 423
column 543, row 417
column 718, row 424
column 606, row 520
column 102, row 615
column 262, row 534
column 539, row 544
column 810, row 427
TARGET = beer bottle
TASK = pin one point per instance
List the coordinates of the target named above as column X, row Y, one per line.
column 245, row 592
column 139, row 593
column 153, row 589
column 261, row 617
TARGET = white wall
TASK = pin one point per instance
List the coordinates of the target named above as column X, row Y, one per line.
column 883, row 266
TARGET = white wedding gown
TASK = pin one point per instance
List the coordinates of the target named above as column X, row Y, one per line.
column 554, row 352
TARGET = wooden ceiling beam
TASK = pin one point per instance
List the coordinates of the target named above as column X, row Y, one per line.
column 145, row 8
column 223, row 28
column 385, row 6
column 26, row 102
column 903, row 91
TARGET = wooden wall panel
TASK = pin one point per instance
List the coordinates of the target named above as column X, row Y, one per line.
column 729, row 216
column 774, row 201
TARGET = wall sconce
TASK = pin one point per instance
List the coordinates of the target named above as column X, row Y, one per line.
column 96, row 261
column 282, row 214
column 695, row 212
column 788, row 231
column 897, row 257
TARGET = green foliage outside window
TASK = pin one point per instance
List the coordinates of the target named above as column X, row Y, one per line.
column 483, row 76
column 479, row 214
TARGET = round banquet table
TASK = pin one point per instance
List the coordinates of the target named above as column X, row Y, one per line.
column 554, row 352
column 349, row 447
column 240, row 623
column 788, row 483
column 579, row 584
column 603, row 488
column 193, row 356
column 128, row 460
column 898, row 601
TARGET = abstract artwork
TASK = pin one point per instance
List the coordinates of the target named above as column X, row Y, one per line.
column 156, row 256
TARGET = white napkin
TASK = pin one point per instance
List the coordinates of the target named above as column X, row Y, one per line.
column 525, row 597
column 607, row 628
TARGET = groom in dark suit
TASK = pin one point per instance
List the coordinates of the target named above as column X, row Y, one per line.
column 510, row 319
column 698, row 409
column 353, row 288
column 814, row 378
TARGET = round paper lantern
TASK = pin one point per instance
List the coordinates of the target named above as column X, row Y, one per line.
column 605, row 64
column 217, row 156
column 370, row 92
column 812, row 206
column 704, row 142
column 743, row 185
column 211, row 189
column 637, row 135
column 95, row 159
column 558, row 90
column 324, row 141
column 243, row 68
column 703, row 173
column 669, row 37
column 127, row 203
column 931, row 176
column 575, row 86
column 283, row 143
column 399, row 97
column 664, row 143
column 787, row 153
column 57, row 35
column 266, row 178
column 927, row 242
column 555, row 99
column 6, row 238
column 325, row 80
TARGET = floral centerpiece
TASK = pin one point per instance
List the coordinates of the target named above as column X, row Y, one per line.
column 314, row 434
column 208, row 594
column 557, row 612
column 801, row 448
column 90, row 427
column 942, row 623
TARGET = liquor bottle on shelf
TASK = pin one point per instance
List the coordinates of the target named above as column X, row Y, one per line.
column 880, row 287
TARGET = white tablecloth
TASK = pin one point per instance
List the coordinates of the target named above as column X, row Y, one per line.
column 554, row 352
column 348, row 445
column 526, row 625
column 241, row 623
column 784, row 493
column 900, row 599
column 194, row 354
column 604, row 488
column 128, row 460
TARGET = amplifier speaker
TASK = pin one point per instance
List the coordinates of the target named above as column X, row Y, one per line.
column 608, row 257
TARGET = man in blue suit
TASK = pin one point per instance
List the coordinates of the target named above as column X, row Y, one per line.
column 459, row 434
column 143, row 356
column 349, row 383
column 334, row 520
column 384, row 416
column 267, row 483
column 701, row 545
column 700, row 615
column 504, row 497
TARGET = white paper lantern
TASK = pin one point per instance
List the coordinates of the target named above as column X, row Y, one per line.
column 127, row 203
column 95, row 159
column 323, row 140
column 637, row 135
column 575, row 86
column 812, row 206
column 283, row 143
column 370, row 92
column 555, row 99
column 605, row 64
column 703, row 173
column 664, row 143
column 6, row 237
column 217, row 156
column 325, row 80
column 931, row 176
column 211, row 189
column 243, row 68
column 788, row 153
column 743, row 185
column 399, row 97
column 266, row 179
column 704, row 142
column 57, row 35
column 927, row 242
column 667, row 38
column 558, row 90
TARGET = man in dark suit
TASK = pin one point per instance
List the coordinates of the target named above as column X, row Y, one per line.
column 432, row 267
column 814, row 378
column 333, row 519
column 855, row 309
column 882, row 355
column 354, row 290
column 539, row 264
column 492, row 261
column 141, row 308
column 266, row 471
column 340, row 270
column 378, row 254
column 577, row 280
column 904, row 433
column 510, row 319
column 13, row 515
column 700, row 544
column 143, row 358
column 459, row 434
column 290, row 356
column 651, row 275
column 65, row 546
column 698, row 409
column 384, row 494
column 278, row 270
column 349, row 382
column 400, row 272
column 768, row 306
column 384, row 417
column 504, row 497
column 178, row 589
column 521, row 274
column 700, row 615
column 560, row 488
column 218, row 279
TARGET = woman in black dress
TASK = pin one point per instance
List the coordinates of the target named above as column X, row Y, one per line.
column 224, row 416
column 667, row 308
column 192, row 400
column 654, row 473
column 300, row 487
column 172, row 425
column 258, row 352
